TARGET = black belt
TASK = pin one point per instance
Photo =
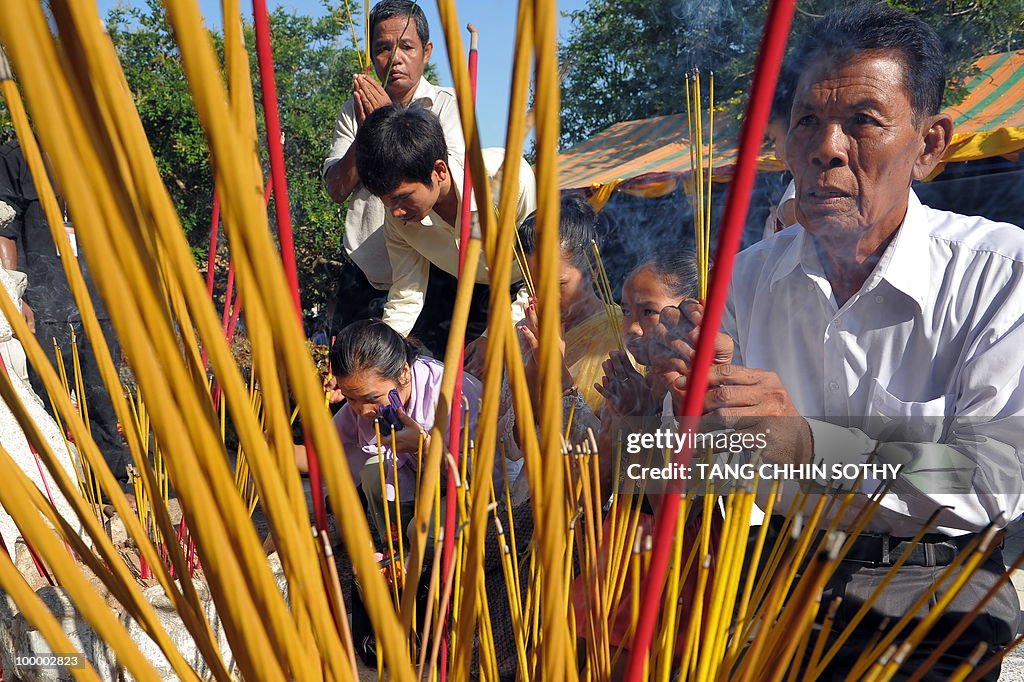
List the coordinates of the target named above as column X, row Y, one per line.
column 884, row 550
column 934, row 549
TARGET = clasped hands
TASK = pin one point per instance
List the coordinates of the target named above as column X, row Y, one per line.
column 367, row 95
column 745, row 399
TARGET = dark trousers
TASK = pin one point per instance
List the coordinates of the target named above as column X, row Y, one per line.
column 357, row 299
column 103, row 420
column 856, row 583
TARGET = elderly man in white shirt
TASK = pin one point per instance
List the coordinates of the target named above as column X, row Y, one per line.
column 400, row 51
column 401, row 156
column 879, row 328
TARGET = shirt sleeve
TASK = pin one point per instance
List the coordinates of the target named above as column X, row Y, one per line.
column 411, row 274
column 527, row 192
column 966, row 462
column 728, row 327
column 344, row 135
column 10, row 225
column 526, row 205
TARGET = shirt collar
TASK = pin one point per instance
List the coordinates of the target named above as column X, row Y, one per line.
column 903, row 265
column 425, row 94
column 798, row 253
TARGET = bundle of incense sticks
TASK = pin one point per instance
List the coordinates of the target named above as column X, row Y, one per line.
column 604, row 291
column 701, row 164
column 363, row 63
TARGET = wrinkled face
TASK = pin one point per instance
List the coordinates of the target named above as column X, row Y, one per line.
column 644, row 296
column 411, row 201
column 410, row 57
column 367, row 391
column 853, row 146
column 574, row 285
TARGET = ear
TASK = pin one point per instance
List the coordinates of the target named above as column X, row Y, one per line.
column 428, row 49
column 405, row 376
column 938, row 133
column 442, row 170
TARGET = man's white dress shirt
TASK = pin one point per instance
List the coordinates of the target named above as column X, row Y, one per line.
column 930, row 350
column 413, row 246
column 363, row 239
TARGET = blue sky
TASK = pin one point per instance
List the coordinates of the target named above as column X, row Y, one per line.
column 494, row 19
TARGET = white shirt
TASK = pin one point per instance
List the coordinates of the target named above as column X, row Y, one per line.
column 413, row 246
column 363, row 239
column 776, row 220
column 931, row 348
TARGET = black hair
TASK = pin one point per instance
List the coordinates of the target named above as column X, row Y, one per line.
column 387, row 9
column 782, row 101
column 372, row 345
column 678, row 269
column 398, row 144
column 875, row 26
column 577, row 228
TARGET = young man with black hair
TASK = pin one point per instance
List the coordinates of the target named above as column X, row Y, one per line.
column 400, row 50
column 402, row 159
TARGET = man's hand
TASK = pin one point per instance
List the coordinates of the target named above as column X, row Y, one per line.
column 675, row 336
column 473, row 361
column 367, row 96
column 625, row 391
column 755, row 401
column 673, row 343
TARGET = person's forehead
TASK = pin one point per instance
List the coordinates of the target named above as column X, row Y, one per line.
column 870, row 75
column 393, row 27
column 405, row 188
column 360, row 383
column 645, row 283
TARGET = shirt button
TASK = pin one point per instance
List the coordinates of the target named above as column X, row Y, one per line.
column 879, row 299
column 833, row 385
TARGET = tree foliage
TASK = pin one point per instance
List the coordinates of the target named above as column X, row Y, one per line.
column 313, row 66
column 627, row 59
column 312, row 73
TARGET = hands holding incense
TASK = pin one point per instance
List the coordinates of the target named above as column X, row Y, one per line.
column 331, row 390
column 746, row 399
column 528, row 341
column 674, row 341
column 407, row 441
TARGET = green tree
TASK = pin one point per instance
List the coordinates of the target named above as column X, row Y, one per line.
column 627, row 59
column 313, row 65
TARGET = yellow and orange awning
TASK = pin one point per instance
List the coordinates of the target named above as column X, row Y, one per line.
column 647, row 157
